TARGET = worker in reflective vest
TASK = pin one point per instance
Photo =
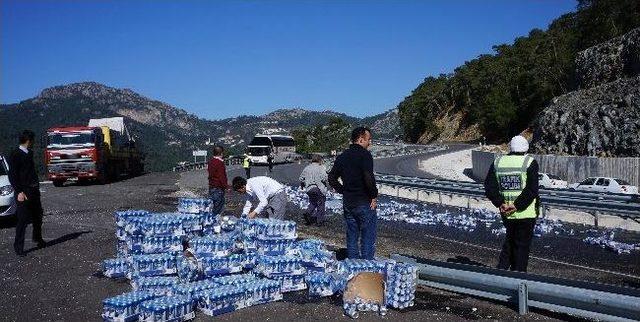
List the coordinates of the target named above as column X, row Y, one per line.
column 512, row 186
column 246, row 164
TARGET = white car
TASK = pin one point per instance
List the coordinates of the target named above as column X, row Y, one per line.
column 7, row 202
column 551, row 181
column 604, row 184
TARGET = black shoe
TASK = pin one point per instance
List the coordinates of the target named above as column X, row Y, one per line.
column 41, row 243
column 307, row 219
column 20, row 253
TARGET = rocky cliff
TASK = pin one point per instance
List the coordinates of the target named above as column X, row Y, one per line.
column 602, row 118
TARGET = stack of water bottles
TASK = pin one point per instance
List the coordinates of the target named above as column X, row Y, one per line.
column 193, row 205
column 125, row 307
column 400, row 282
column 167, row 308
column 400, row 285
column 159, row 285
column 230, row 264
column 274, row 242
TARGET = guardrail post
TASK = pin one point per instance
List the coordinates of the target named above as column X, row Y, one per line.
column 523, row 299
column 595, row 219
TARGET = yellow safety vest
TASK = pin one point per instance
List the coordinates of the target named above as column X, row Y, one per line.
column 511, row 172
column 245, row 162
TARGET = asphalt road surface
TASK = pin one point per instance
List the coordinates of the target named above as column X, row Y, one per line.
column 62, row 282
column 408, row 165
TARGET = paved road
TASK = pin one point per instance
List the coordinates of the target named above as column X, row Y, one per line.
column 408, row 165
column 62, row 283
column 59, row 283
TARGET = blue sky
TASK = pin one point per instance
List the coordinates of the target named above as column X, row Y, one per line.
column 219, row 59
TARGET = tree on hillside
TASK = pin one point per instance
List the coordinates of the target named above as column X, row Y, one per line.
column 503, row 92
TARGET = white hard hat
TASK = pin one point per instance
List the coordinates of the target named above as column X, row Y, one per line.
column 519, row 144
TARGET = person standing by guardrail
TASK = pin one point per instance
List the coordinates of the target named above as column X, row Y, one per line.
column 26, row 187
column 246, row 164
column 512, row 186
column 314, row 180
column 355, row 168
column 217, row 180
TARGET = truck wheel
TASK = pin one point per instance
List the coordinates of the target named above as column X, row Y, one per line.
column 58, row 183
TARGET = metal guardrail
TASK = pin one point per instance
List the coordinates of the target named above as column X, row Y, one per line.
column 626, row 206
column 585, row 299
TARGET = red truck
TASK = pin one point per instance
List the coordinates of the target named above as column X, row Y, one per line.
column 101, row 151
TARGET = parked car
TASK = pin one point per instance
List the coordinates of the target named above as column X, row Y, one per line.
column 7, row 201
column 551, row 181
column 604, row 184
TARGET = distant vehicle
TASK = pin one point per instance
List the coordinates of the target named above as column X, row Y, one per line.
column 103, row 150
column 281, row 147
column 7, row 201
column 551, row 181
column 604, row 185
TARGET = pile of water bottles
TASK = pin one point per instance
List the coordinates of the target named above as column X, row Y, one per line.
column 468, row 220
column 605, row 240
column 192, row 260
column 299, row 197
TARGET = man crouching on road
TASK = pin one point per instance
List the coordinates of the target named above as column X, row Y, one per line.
column 512, row 186
column 269, row 194
column 358, row 188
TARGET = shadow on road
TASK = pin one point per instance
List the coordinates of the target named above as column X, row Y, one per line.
column 62, row 239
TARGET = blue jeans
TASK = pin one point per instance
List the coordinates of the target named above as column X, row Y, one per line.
column 217, row 200
column 361, row 227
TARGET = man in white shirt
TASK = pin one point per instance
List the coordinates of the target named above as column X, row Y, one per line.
column 269, row 195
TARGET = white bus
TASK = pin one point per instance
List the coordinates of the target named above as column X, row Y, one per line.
column 281, row 147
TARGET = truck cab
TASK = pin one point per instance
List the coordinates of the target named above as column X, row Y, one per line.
column 74, row 153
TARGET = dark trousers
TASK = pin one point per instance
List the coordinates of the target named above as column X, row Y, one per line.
column 515, row 250
column 247, row 172
column 216, row 195
column 361, row 224
column 316, row 207
column 28, row 210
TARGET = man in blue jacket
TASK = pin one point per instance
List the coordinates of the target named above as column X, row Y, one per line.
column 355, row 168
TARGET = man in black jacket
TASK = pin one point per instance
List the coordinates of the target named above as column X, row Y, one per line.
column 24, row 179
column 355, row 168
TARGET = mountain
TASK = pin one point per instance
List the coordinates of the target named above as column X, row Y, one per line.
column 499, row 95
column 166, row 134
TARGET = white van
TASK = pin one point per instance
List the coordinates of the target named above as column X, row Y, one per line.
column 7, row 201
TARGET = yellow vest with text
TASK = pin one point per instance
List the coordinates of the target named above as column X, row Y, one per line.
column 511, row 172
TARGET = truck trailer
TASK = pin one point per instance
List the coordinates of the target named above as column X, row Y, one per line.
column 101, row 151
